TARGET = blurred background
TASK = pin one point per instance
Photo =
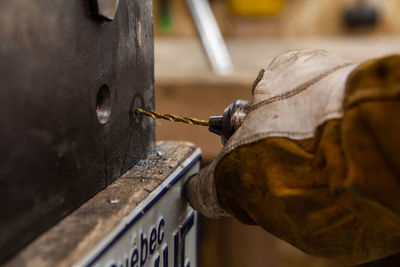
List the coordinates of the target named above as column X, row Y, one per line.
column 255, row 31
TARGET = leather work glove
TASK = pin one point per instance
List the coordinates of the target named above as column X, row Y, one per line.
column 316, row 161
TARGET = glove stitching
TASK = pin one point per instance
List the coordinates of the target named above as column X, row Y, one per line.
column 298, row 89
column 284, row 134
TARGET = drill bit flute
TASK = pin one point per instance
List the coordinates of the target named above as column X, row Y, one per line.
column 174, row 118
column 224, row 125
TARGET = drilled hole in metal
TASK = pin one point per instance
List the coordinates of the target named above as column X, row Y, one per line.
column 103, row 104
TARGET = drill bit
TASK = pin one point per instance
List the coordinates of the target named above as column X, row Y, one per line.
column 173, row 118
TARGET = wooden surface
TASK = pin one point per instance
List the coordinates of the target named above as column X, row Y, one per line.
column 74, row 236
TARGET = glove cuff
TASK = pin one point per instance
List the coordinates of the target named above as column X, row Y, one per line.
column 201, row 193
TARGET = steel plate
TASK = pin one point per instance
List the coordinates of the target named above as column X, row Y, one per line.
column 68, row 82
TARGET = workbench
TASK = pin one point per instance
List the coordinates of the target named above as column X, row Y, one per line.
column 141, row 219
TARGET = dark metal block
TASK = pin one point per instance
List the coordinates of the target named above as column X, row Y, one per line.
column 62, row 138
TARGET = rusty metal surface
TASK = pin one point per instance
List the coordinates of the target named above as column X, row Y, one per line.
column 62, row 138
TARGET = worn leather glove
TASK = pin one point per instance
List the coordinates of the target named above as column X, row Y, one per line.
column 316, row 162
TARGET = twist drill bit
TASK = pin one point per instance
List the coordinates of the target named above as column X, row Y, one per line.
column 173, row 118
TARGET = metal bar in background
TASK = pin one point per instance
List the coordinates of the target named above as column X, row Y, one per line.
column 210, row 36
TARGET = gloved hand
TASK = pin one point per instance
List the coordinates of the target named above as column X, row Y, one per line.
column 316, row 161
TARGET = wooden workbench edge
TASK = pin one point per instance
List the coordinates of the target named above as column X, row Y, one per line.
column 74, row 236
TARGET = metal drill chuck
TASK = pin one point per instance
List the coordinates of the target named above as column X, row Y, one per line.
column 233, row 117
